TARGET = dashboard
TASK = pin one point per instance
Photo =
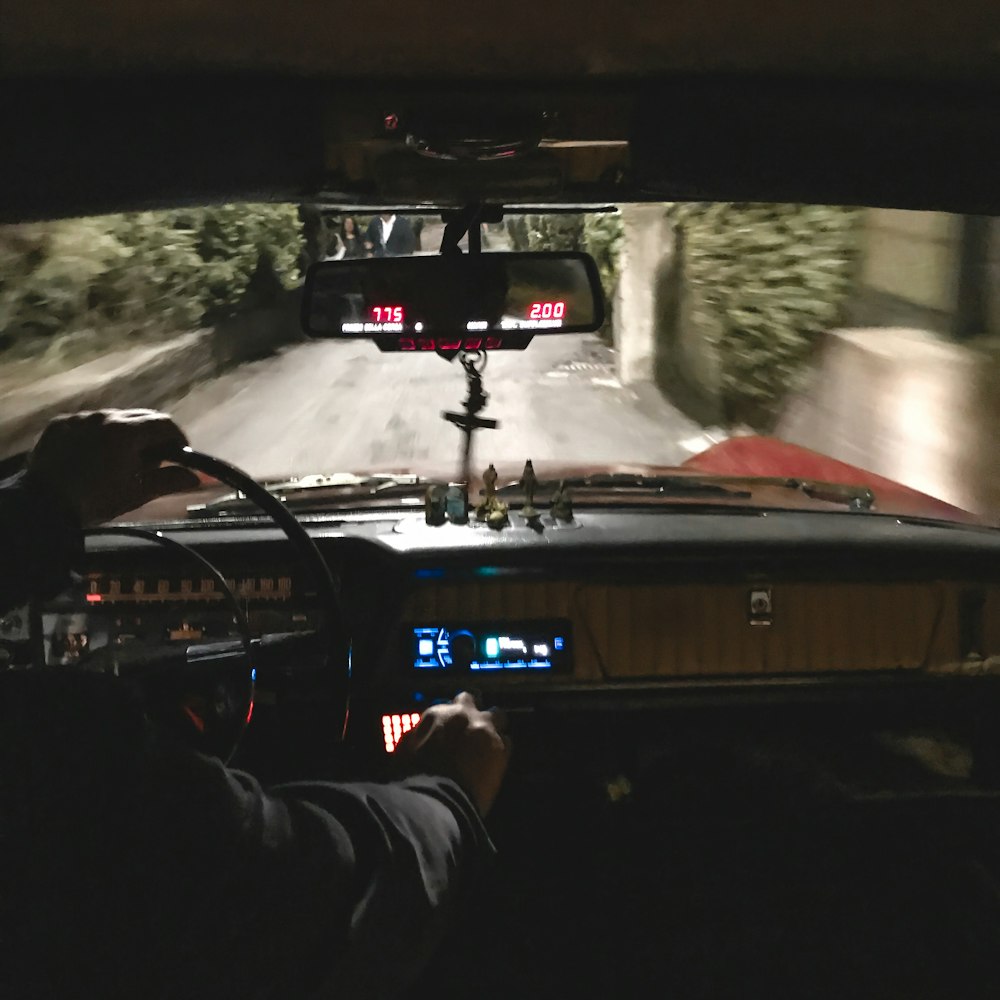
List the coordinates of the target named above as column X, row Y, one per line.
column 629, row 611
column 114, row 612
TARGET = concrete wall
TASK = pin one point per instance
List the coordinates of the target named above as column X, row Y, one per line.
column 896, row 396
column 930, row 271
column 646, row 251
column 907, row 405
column 992, row 279
column 661, row 332
column 913, row 256
column 899, row 395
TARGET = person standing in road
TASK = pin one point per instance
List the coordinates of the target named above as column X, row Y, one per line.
column 348, row 241
column 351, row 239
column 391, row 235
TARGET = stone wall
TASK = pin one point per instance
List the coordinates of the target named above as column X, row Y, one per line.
column 645, row 255
column 929, row 271
column 907, row 405
column 688, row 367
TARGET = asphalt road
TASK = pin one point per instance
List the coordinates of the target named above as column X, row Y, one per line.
column 341, row 406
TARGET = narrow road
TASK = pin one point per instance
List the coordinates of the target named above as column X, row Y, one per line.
column 333, row 406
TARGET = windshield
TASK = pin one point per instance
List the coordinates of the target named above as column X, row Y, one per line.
column 834, row 345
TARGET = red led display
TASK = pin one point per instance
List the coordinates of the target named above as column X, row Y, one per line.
column 547, row 310
column 393, row 727
column 432, row 344
column 387, row 314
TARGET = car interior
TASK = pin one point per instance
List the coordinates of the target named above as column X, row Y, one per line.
column 756, row 751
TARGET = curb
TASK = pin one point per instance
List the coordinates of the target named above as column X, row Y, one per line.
column 144, row 377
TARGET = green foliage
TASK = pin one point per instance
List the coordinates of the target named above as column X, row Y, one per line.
column 517, row 232
column 137, row 274
column 46, row 274
column 769, row 280
column 602, row 239
column 548, row 232
column 155, row 282
column 600, row 235
column 228, row 241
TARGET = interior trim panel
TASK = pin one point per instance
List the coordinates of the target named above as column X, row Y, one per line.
column 625, row 632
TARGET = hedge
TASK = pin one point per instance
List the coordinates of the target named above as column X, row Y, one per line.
column 772, row 279
column 139, row 274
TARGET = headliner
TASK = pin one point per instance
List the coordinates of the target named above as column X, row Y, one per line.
column 122, row 104
column 480, row 39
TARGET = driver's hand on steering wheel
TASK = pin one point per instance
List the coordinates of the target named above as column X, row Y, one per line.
column 461, row 742
column 103, row 463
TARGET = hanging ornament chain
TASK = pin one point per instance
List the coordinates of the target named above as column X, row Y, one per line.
column 468, row 422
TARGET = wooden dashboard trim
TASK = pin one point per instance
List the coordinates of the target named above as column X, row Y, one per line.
column 628, row 632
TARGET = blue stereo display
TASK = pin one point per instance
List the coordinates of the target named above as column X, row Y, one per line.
column 523, row 646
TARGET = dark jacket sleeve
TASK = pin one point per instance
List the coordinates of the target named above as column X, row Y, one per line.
column 401, row 240
column 40, row 542
column 374, row 235
column 348, row 888
column 419, row 845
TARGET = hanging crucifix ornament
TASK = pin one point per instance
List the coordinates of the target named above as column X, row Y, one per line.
column 474, row 362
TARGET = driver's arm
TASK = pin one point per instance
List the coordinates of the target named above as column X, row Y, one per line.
column 340, row 887
column 340, row 890
column 86, row 468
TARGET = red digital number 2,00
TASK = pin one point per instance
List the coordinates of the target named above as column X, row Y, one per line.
column 547, row 310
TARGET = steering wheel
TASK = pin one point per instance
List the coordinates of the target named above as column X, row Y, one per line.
column 217, row 729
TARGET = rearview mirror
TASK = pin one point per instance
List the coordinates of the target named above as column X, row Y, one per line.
column 450, row 302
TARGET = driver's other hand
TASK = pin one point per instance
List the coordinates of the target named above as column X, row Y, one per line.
column 461, row 742
column 103, row 463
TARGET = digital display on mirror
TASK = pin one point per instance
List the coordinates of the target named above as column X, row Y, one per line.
column 547, row 310
column 441, row 302
column 521, row 647
column 386, row 314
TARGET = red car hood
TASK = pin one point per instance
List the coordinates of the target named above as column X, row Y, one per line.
column 764, row 456
column 742, row 457
column 757, row 456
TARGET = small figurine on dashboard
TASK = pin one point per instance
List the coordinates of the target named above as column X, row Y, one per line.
column 497, row 517
column 488, row 493
column 434, row 504
column 529, row 483
column 492, row 510
column 562, row 504
column 457, row 503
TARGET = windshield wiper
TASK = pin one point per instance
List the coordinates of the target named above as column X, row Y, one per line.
column 344, row 489
column 856, row 497
column 309, row 490
column 626, row 482
column 859, row 498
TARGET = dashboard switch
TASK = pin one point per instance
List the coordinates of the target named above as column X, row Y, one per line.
column 395, row 725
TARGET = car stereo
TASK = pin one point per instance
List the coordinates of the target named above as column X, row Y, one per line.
column 504, row 647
